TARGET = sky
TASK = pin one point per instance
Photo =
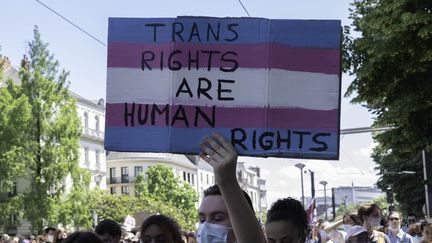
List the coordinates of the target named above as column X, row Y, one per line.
column 86, row 60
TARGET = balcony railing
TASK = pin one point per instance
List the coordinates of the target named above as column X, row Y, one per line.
column 120, row 179
column 92, row 133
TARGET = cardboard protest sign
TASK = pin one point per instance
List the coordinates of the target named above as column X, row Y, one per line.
column 272, row 87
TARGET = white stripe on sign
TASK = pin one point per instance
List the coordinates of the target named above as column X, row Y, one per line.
column 243, row 88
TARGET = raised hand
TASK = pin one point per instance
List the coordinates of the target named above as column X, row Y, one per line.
column 222, row 156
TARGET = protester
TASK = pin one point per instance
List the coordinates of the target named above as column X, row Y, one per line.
column 286, row 222
column 160, row 228
column 395, row 233
column 323, row 237
column 370, row 216
column 410, row 220
column 426, row 228
column 220, row 215
column 415, row 231
column 83, row 237
column 109, row 231
column 49, row 234
column 59, row 236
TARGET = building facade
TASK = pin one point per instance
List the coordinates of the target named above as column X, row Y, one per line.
column 92, row 152
column 123, row 168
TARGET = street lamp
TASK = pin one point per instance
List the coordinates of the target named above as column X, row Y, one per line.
column 301, row 166
column 324, row 183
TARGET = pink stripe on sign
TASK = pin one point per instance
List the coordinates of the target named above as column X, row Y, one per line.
column 139, row 115
column 223, row 56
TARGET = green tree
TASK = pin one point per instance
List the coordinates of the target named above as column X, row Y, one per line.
column 392, row 63
column 14, row 116
column 160, row 184
column 45, row 143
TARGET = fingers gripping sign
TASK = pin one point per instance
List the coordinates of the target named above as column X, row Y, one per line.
column 222, row 156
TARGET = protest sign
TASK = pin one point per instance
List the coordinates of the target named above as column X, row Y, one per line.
column 272, row 87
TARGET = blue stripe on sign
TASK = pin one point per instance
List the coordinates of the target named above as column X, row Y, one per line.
column 184, row 140
column 292, row 33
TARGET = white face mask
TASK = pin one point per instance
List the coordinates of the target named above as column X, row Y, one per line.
column 375, row 221
column 212, row 233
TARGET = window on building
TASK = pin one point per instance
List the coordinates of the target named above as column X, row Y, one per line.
column 112, row 175
column 98, row 165
column 97, row 123
column 125, row 190
column 208, row 182
column 137, row 170
column 188, row 177
column 201, row 177
column 184, row 176
column 124, row 174
column 86, row 121
column 112, row 190
column 193, row 179
column 86, row 157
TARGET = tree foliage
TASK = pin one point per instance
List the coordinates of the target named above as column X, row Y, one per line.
column 392, row 63
column 160, row 184
column 39, row 134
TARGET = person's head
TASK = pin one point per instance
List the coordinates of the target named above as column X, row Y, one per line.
column 213, row 216
column 83, row 237
column 411, row 218
column 414, row 230
column 394, row 219
column 160, row 229
column 109, row 231
column 369, row 215
column 49, row 231
column 59, row 236
column 351, row 219
column 286, row 222
column 426, row 229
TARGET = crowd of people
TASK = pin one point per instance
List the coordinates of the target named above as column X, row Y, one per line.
column 226, row 215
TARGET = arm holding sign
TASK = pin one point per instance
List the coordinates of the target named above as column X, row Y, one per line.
column 221, row 155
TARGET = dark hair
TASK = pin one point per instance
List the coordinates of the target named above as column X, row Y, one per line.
column 366, row 210
column 412, row 214
column 166, row 224
column 353, row 217
column 83, row 237
column 214, row 190
column 289, row 209
column 362, row 237
column 108, row 226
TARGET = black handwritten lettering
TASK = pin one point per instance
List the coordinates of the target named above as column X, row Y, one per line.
column 128, row 114
column 174, row 65
column 193, row 60
column 184, row 84
column 233, row 61
column 323, row 144
column 154, row 29
column 142, row 120
column 204, row 90
column 177, row 32
column 215, row 35
column 220, row 90
column 264, row 143
column 238, row 141
column 144, row 59
column 194, row 32
column 280, row 140
column 301, row 137
column 199, row 112
column 180, row 115
column 231, row 28
column 210, row 56
column 155, row 109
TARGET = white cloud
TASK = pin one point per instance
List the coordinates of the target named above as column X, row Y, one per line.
column 365, row 151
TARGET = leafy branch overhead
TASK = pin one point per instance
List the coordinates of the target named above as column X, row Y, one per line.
column 390, row 57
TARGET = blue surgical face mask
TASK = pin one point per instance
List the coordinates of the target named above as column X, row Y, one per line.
column 212, row 233
column 347, row 227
